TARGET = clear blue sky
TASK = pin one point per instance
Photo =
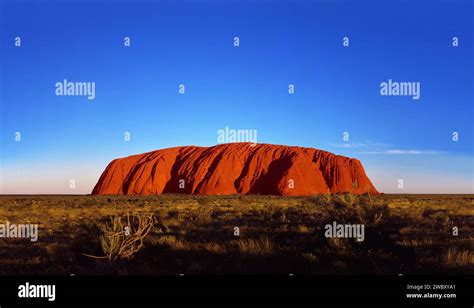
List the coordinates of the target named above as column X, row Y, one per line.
column 245, row 87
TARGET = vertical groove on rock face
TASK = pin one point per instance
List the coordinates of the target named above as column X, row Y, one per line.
column 209, row 170
column 234, row 168
column 172, row 185
column 239, row 183
column 268, row 183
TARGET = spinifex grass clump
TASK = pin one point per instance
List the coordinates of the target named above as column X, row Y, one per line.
column 351, row 197
column 122, row 241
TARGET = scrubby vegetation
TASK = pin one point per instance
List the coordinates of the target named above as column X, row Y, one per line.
column 122, row 240
column 240, row 234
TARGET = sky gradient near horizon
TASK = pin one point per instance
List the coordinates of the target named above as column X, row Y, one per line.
column 337, row 88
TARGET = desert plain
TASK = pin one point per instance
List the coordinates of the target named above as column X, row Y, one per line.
column 241, row 234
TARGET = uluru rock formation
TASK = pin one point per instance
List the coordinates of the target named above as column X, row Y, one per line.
column 234, row 168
